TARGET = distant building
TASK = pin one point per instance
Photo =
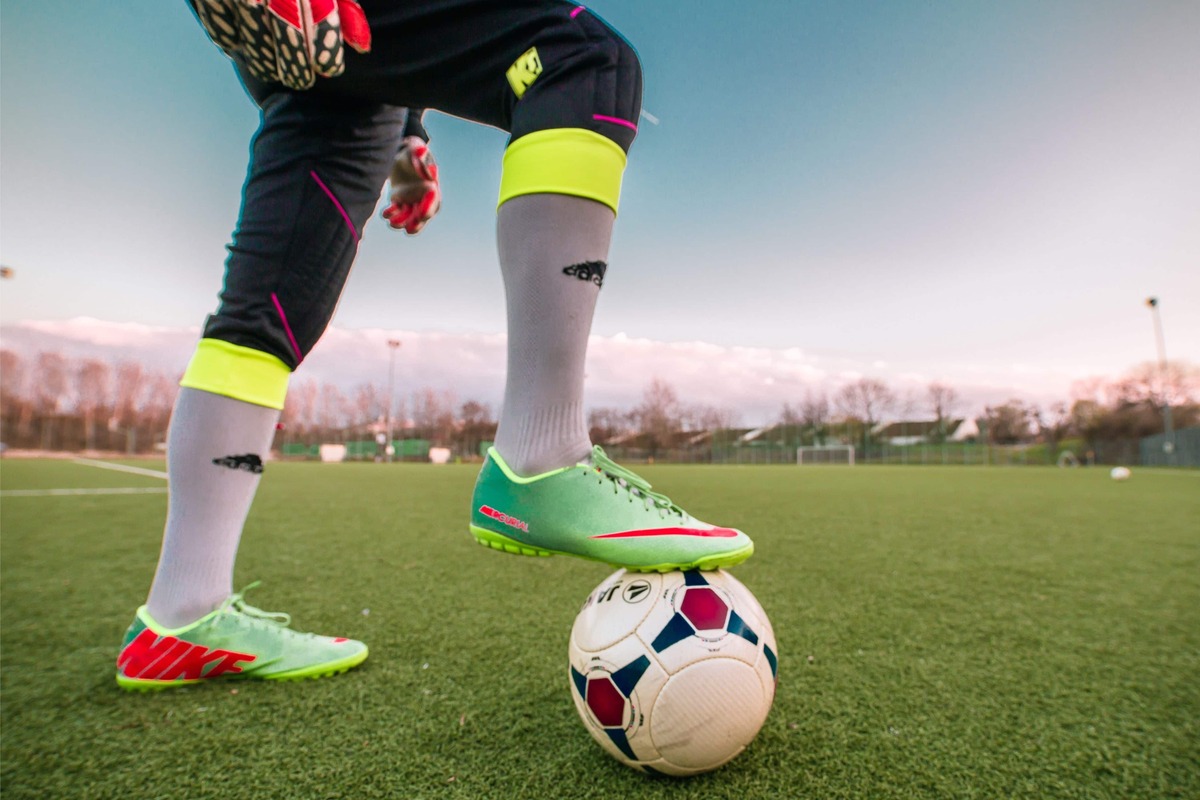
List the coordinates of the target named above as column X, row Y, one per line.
column 908, row 432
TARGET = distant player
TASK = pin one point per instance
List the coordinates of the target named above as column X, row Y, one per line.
column 335, row 81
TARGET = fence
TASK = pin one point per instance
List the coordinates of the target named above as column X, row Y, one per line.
column 1186, row 452
column 777, row 453
column 1131, row 452
column 948, row 454
column 362, row 450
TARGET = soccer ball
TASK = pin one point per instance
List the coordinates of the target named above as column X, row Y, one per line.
column 673, row 673
column 1120, row 473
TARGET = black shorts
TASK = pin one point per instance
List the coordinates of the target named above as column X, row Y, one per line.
column 321, row 157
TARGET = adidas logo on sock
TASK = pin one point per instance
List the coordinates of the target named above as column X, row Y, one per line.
column 588, row 271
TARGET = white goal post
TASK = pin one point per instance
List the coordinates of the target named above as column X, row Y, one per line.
column 826, row 454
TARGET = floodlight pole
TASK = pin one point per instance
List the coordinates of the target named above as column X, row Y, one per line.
column 1168, row 425
column 393, row 345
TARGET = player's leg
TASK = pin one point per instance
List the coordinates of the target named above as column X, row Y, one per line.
column 317, row 167
column 569, row 89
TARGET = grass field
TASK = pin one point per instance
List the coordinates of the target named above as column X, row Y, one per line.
column 944, row 632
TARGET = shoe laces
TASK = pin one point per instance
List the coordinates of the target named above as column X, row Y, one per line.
column 624, row 478
column 238, row 603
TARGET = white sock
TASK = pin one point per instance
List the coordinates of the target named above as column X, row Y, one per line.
column 215, row 449
column 553, row 253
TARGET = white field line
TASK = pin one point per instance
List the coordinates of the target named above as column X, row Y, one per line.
column 87, row 462
column 153, row 473
column 69, row 492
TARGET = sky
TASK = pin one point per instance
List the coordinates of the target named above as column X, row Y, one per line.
column 980, row 193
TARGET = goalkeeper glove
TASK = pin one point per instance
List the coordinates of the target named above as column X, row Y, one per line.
column 415, row 196
column 286, row 41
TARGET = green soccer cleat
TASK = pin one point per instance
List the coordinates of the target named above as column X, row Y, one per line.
column 235, row 641
column 596, row 510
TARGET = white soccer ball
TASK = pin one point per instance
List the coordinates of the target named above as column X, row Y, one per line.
column 673, row 673
column 1120, row 473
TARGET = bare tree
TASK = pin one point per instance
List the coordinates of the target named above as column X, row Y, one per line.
column 299, row 416
column 789, row 416
column 1093, row 389
column 12, row 375
column 606, row 424
column 401, row 419
column 1008, row 423
column 814, row 414
column 370, row 403
column 93, row 382
column 14, row 399
column 433, row 415
column 710, row 418
column 659, row 415
column 1053, row 424
column 867, row 399
column 50, row 391
column 907, row 405
column 943, row 403
column 1177, row 384
column 157, row 403
column 447, row 423
column 1131, row 406
column 51, row 382
column 1086, row 417
column 130, row 386
column 333, row 409
column 476, row 426
column 130, row 381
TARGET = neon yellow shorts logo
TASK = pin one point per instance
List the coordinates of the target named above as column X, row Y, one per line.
column 524, row 71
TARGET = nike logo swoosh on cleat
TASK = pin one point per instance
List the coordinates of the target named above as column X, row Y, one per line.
column 719, row 533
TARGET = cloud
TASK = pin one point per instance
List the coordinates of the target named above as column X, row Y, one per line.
column 162, row 349
column 754, row 382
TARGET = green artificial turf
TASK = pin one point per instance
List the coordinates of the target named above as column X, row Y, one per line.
column 943, row 632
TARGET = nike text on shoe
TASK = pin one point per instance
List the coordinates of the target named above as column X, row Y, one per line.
column 235, row 641
column 596, row 510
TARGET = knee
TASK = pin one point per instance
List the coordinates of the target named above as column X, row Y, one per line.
column 591, row 80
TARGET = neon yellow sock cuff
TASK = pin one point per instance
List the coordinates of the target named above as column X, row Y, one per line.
column 242, row 373
column 572, row 161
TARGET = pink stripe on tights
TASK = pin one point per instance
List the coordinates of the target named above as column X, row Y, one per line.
column 614, row 120
column 336, row 204
column 287, row 328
